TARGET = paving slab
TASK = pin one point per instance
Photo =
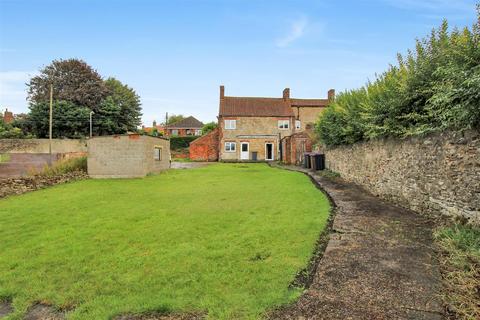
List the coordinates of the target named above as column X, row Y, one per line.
column 379, row 262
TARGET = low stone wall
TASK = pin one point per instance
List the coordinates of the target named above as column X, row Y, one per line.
column 25, row 184
column 437, row 174
column 42, row 146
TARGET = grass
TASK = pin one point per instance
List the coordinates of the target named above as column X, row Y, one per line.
column 182, row 160
column 225, row 239
column 460, row 264
column 5, row 157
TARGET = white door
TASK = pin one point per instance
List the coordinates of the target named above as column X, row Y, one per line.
column 244, row 154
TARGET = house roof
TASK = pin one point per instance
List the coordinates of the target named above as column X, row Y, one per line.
column 187, row 123
column 309, row 102
column 255, row 107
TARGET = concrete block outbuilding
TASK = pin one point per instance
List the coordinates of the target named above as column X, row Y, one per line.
column 127, row 156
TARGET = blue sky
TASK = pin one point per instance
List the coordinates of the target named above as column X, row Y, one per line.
column 175, row 54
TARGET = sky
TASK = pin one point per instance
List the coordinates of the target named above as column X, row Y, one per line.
column 176, row 54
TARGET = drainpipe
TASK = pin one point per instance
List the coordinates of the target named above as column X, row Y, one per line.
column 280, row 146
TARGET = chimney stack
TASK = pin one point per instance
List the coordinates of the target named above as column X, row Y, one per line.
column 331, row 95
column 286, row 93
column 7, row 116
column 222, row 92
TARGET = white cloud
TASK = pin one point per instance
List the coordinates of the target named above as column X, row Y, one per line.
column 13, row 92
column 297, row 30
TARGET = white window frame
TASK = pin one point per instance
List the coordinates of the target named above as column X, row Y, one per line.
column 298, row 124
column 174, row 132
column 198, row 132
column 230, row 124
column 284, row 124
column 230, row 144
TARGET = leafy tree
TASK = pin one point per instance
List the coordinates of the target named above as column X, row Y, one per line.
column 129, row 103
column 73, row 80
column 108, row 119
column 69, row 120
column 78, row 90
column 175, row 118
column 208, row 127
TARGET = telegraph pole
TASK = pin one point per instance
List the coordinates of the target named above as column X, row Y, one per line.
column 50, row 123
column 166, row 124
column 91, row 113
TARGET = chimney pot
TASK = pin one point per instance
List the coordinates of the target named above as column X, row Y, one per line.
column 222, row 92
column 286, row 93
column 331, row 95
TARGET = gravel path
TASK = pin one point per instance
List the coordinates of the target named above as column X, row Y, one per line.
column 379, row 262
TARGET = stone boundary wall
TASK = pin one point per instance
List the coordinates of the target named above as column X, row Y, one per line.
column 21, row 185
column 42, row 146
column 438, row 174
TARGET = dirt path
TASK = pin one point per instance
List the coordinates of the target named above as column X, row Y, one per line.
column 379, row 263
column 188, row 165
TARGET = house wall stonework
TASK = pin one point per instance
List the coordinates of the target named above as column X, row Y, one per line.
column 257, row 131
column 437, row 174
column 307, row 115
column 126, row 156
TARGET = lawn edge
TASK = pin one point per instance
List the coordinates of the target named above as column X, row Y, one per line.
column 304, row 278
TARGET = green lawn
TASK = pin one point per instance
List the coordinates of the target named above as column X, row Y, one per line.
column 226, row 239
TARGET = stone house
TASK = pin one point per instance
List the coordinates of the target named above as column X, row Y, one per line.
column 187, row 127
column 253, row 128
column 127, row 156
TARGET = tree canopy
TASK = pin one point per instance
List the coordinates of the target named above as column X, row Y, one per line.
column 434, row 87
column 73, row 80
column 175, row 118
column 128, row 101
column 208, row 127
column 77, row 90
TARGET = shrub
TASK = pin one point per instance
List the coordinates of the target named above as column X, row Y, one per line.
column 64, row 166
column 209, row 127
column 434, row 87
column 177, row 143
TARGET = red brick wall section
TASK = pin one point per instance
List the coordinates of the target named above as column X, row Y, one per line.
column 205, row 148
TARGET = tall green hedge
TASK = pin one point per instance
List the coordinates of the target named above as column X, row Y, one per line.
column 432, row 88
column 177, row 143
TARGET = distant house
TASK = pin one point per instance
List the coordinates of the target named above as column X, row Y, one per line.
column 127, row 156
column 262, row 129
column 187, row 127
column 8, row 116
column 160, row 128
column 253, row 128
